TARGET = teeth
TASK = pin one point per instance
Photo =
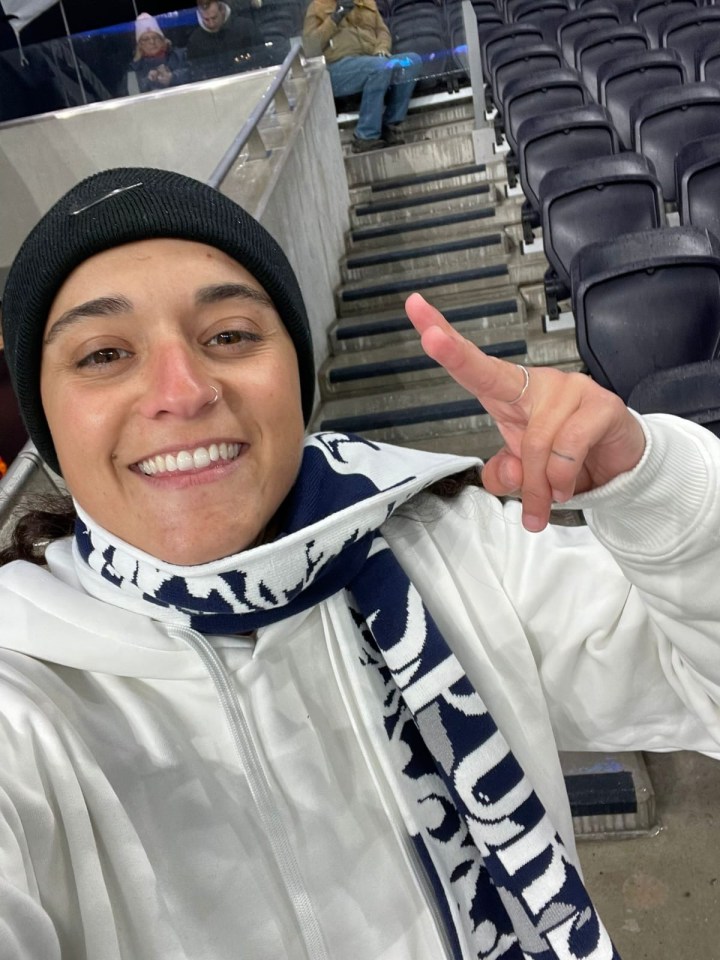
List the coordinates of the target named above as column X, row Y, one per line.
column 201, row 458
column 189, row 460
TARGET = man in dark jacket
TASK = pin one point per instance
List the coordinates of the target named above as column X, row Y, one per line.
column 225, row 41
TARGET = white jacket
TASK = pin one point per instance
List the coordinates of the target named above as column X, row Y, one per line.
column 144, row 768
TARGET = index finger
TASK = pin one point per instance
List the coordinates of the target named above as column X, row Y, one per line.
column 488, row 378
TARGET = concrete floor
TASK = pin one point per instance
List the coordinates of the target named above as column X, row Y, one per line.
column 660, row 896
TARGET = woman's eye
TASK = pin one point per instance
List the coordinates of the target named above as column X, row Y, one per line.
column 101, row 358
column 229, row 338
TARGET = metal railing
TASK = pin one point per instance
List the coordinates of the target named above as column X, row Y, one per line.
column 249, row 135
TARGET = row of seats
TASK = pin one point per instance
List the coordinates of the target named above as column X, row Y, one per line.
column 609, row 130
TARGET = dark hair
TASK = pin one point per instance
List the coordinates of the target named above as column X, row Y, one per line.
column 49, row 518
column 53, row 517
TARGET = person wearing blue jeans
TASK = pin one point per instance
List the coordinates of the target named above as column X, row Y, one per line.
column 356, row 44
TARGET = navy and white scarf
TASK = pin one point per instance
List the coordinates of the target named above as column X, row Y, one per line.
column 514, row 891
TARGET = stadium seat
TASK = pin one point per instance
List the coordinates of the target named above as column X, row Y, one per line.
column 707, row 61
column 697, row 177
column 650, row 14
column 646, row 302
column 691, row 391
column 538, row 94
column 577, row 22
column 545, row 14
column 596, row 48
column 688, row 30
column 419, row 26
column 623, row 81
column 509, row 64
column 664, row 121
column 511, row 35
column 590, row 201
column 560, row 139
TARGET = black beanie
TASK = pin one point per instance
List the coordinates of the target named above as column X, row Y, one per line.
column 121, row 206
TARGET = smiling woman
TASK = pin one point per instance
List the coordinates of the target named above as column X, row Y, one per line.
column 272, row 693
column 186, row 390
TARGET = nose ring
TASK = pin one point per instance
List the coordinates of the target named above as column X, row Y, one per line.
column 215, row 398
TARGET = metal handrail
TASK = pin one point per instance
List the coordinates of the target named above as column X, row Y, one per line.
column 249, row 128
column 23, row 467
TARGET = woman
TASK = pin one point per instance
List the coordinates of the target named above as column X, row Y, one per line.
column 271, row 699
column 156, row 64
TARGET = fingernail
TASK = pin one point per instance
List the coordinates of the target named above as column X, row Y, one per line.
column 560, row 496
column 533, row 524
column 505, row 475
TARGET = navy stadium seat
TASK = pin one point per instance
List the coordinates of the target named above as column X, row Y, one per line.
column 541, row 93
column 510, row 35
column 623, row 81
column 419, row 26
column 599, row 16
column 697, row 178
column 590, row 201
column 509, row 64
column 664, row 121
column 596, row 48
column 707, row 61
column 546, row 14
column 646, row 302
column 650, row 14
column 688, row 30
column 691, row 391
column 559, row 139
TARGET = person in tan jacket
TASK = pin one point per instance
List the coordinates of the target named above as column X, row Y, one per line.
column 356, row 45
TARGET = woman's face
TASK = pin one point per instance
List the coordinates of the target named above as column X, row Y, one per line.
column 151, row 44
column 136, row 339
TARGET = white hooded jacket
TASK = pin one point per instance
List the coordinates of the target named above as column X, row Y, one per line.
column 167, row 795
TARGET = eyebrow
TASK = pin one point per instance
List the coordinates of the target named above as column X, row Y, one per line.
column 115, row 305
column 217, row 292
column 100, row 307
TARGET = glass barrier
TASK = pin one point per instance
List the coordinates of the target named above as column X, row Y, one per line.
column 176, row 48
column 194, row 44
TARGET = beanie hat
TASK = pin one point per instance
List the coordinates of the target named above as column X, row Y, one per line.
column 121, row 206
column 146, row 24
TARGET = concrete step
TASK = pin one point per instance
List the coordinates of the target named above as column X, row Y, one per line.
column 437, row 228
column 423, row 115
column 498, row 315
column 476, row 280
column 402, row 161
column 380, row 209
column 405, row 365
column 419, row 183
column 420, row 259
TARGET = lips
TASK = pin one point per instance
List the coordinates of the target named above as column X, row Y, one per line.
column 185, row 460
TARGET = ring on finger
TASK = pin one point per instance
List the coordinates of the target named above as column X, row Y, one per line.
column 526, row 384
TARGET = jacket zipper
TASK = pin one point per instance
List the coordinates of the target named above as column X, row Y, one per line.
column 390, row 804
column 261, row 792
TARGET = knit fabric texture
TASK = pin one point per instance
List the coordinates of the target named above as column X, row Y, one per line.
column 120, row 206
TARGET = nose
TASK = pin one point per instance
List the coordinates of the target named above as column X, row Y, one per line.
column 175, row 382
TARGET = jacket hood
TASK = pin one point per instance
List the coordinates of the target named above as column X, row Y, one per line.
column 226, row 10
column 47, row 615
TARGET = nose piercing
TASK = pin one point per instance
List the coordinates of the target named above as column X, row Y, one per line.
column 215, row 398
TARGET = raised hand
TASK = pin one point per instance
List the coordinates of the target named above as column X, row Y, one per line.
column 563, row 433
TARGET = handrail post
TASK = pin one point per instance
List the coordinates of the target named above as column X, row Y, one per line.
column 483, row 135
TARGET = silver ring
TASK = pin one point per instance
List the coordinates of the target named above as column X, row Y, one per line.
column 215, row 398
column 525, row 385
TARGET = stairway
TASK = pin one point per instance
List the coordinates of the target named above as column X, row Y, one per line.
column 425, row 216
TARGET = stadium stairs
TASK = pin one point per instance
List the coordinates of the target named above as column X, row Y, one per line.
column 425, row 216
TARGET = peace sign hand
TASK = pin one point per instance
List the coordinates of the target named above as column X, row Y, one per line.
column 563, row 433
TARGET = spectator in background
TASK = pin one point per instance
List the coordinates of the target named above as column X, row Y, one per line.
column 156, row 64
column 225, row 41
column 356, row 44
